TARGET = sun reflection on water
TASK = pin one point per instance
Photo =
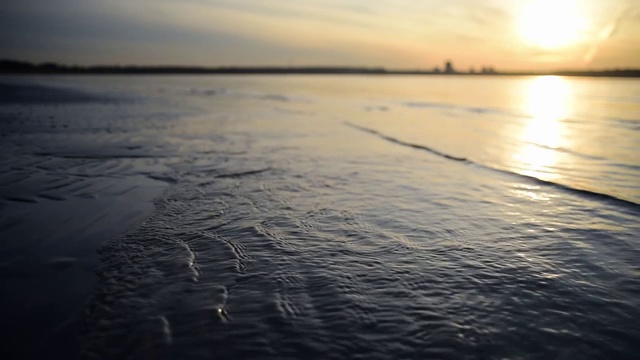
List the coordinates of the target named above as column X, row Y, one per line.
column 547, row 100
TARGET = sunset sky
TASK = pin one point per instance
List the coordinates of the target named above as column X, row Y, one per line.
column 507, row 34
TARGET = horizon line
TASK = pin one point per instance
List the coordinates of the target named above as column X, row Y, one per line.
column 11, row 66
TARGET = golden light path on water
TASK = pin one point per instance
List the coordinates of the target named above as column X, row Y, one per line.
column 547, row 100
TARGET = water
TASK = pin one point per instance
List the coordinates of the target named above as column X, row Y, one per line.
column 373, row 217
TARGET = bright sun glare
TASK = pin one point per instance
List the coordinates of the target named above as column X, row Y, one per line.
column 550, row 23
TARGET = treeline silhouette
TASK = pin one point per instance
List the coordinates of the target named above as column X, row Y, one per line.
column 24, row 67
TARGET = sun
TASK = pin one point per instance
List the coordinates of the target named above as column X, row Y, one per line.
column 550, row 24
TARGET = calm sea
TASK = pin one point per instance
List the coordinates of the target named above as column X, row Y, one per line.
column 345, row 217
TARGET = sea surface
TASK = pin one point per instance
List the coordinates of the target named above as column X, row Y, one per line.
column 320, row 217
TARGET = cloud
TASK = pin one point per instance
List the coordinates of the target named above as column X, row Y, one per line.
column 393, row 33
column 606, row 33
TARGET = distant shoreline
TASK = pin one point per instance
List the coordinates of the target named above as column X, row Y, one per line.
column 22, row 67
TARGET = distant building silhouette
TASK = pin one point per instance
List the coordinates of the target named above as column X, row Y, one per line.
column 436, row 70
column 488, row 70
column 448, row 69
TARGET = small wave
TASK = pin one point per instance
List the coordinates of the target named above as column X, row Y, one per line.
column 589, row 193
column 568, row 151
column 585, row 156
column 163, row 177
column 399, row 142
column 24, row 199
column 272, row 97
column 52, row 196
column 630, row 124
column 243, row 173
column 260, row 96
column 275, row 97
column 208, row 92
column 292, row 111
column 585, row 192
column 471, row 109
column 425, row 104
column 376, row 108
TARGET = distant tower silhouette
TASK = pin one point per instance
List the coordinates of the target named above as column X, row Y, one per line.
column 448, row 69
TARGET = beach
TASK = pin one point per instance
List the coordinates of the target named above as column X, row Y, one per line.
column 317, row 216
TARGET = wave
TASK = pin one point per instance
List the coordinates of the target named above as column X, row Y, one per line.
column 580, row 191
column 399, row 142
column 630, row 124
column 584, row 156
column 271, row 97
column 471, row 109
column 243, row 173
column 567, row 151
column 208, row 92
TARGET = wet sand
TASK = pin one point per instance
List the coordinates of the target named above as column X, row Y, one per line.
column 61, row 198
column 319, row 217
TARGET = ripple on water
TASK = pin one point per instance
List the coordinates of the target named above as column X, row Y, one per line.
column 293, row 254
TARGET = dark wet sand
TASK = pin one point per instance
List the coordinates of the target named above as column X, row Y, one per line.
column 49, row 260
column 65, row 189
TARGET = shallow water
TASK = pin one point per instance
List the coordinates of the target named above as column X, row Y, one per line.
column 345, row 217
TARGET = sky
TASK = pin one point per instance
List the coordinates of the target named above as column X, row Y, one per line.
column 413, row 34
